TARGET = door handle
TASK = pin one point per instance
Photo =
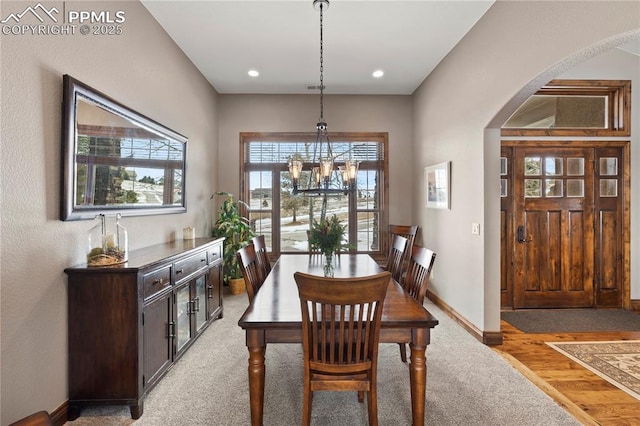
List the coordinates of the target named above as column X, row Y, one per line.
column 521, row 235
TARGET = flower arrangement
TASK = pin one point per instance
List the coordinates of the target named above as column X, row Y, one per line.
column 326, row 236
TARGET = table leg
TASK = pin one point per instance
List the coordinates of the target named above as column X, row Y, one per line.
column 257, row 348
column 418, row 375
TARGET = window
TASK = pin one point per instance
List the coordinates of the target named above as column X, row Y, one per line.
column 570, row 107
column 284, row 218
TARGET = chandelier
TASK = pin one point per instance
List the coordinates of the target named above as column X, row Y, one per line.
column 327, row 177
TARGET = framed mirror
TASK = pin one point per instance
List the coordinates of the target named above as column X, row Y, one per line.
column 116, row 160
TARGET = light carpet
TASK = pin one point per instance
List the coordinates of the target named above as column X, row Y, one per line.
column 467, row 384
column 618, row 362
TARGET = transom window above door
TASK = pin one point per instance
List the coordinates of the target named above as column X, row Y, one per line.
column 574, row 107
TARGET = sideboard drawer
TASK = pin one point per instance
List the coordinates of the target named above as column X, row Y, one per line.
column 156, row 281
column 188, row 266
column 215, row 253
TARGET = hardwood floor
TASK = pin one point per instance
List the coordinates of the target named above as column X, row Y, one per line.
column 592, row 400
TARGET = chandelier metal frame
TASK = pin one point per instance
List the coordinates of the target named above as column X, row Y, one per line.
column 325, row 178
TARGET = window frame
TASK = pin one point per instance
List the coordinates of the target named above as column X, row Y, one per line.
column 381, row 165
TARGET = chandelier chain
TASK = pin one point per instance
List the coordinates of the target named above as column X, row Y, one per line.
column 325, row 178
column 321, row 67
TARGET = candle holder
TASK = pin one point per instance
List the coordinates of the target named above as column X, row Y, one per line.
column 107, row 245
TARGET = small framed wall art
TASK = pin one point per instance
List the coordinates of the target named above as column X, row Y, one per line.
column 438, row 185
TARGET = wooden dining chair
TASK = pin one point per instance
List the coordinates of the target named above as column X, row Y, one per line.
column 248, row 261
column 417, row 279
column 340, row 333
column 260, row 247
column 409, row 232
column 396, row 254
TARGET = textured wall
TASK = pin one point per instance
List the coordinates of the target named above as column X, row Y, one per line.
column 143, row 69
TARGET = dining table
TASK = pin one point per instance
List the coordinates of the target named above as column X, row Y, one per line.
column 274, row 316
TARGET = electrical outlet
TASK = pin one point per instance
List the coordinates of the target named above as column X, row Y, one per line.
column 475, row 228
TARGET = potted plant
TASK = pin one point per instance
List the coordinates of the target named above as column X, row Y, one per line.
column 237, row 232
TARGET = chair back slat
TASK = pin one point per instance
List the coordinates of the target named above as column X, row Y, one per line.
column 417, row 278
column 260, row 247
column 253, row 279
column 396, row 254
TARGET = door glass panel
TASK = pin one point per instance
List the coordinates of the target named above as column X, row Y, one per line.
column 503, row 188
column 261, row 224
column 532, row 188
column 294, row 216
column 575, row 166
column 367, row 190
column 368, row 236
column 261, row 203
column 608, row 166
column 183, row 331
column 532, row 166
column 553, row 188
column 503, row 166
column 553, row 166
column 200, row 301
column 575, row 188
column 608, row 187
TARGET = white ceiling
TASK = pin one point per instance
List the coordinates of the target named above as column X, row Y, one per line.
column 281, row 39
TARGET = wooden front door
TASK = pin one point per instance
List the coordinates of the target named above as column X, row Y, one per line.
column 563, row 226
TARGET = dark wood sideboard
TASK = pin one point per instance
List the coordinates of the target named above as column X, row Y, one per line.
column 129, row 323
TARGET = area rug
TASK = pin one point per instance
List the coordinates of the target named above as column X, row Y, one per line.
column 617, row 362
column 572, row 320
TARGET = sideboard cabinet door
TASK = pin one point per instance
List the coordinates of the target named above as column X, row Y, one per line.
column 125, row 321
column 158, row 334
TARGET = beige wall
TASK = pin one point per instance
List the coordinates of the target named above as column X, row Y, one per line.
column 514, row 49
column 300, row 113
column 143, row 69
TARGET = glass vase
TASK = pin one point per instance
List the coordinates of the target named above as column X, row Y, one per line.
column 328, row 265
column 107, row 245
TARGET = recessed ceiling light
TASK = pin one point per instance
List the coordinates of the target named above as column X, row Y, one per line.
column 253, row 73
column 378, row 73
